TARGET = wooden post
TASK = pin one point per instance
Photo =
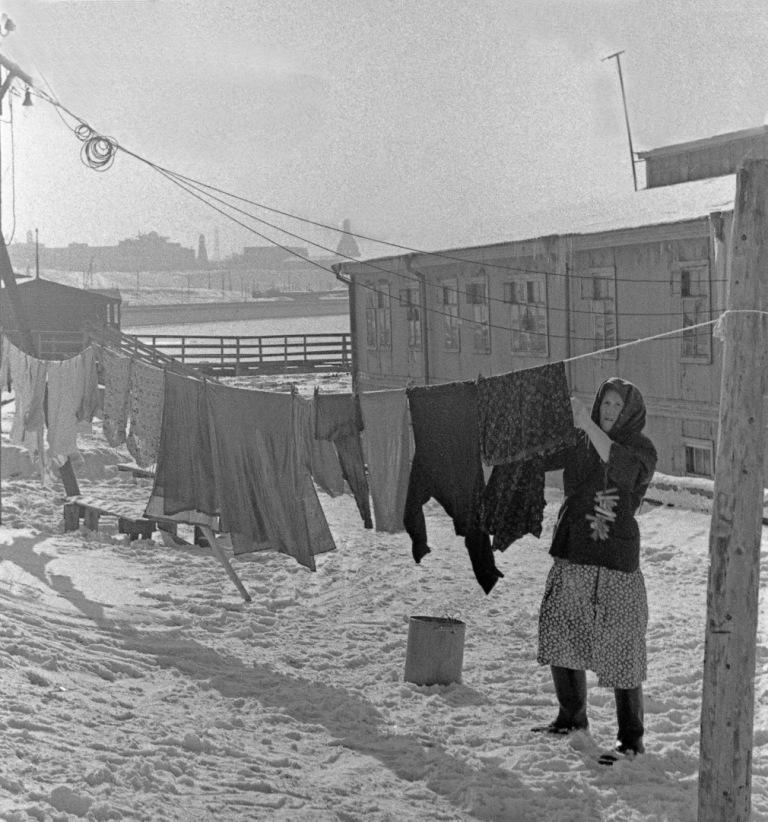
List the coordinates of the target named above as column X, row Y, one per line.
column 727, row 711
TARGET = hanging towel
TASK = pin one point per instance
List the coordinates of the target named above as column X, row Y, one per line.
column 28, row 377
column 446, row 465
column 525, row 414
column 318, row 455
column 265, row 492
column 338, row 418
column 184, row 487
column 388, row 448
column 67, row 383
column 117, row 375
column 146, row 390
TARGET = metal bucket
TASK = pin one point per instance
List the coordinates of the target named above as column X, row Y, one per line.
column 435, row 651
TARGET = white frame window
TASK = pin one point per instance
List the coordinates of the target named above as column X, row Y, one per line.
column 383, row 314
column 699, row 458
column 371, row 308
column 598, row 289
column 450, row 307
column 693, row 283
column 410, row 299
column 527, row 300
column 479, row 305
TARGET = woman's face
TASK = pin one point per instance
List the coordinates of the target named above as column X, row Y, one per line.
column 610, row 408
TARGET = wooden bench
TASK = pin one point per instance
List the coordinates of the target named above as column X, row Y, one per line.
column 130, row 520
column 136, row 470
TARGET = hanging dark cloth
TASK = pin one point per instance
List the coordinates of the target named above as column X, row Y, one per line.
column 512, row 503
column 446, row 465
column 525, row 414
column 265, row 490
column 185, row 485
column 338, row 419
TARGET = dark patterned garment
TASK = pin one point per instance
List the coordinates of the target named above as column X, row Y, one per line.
column 524, row 414
column 512, row 503
column 446, row 465
column 338, row 418
column 595, row 619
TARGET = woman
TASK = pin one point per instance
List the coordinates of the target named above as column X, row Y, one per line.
column 594, row 612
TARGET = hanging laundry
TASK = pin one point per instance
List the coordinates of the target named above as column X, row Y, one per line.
column 265, row 491
column 446, row 465
column 116, row 370
column 146, row 390
column 90, row 405
column 185, row 486
column 5, row 364
column 67, row 384
column 512, row 502
column 28, row 376
column 388, row 448
column 318, row 455
column 337, row 418
column 525, row 414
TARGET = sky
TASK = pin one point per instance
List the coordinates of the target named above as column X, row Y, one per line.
column 428, row 124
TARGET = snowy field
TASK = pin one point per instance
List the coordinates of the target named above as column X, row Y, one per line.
column 138, row 685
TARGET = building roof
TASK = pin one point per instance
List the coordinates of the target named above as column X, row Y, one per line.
column 648, row 207
column 706, row 142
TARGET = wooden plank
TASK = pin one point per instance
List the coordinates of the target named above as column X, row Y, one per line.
column 727, row 711
column 217, row 550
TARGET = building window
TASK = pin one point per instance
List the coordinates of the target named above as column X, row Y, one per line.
column 383, row 314
column 371, row 301
column 699, row 458
column 598, row 288
column 527, row 301
column 410, row 299
column 696, row 343
column 477, row 300
column 450, row 309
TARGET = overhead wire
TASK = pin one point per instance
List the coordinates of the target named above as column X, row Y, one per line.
column 115, row 146
column 98, row 152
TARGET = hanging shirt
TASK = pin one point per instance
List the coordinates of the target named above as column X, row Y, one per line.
column 184, row 487
column 67, row 383
column 28, row 376
column 337, row 418
column 446, row 465
column 388, row 449
column 525, row 414
column 265, row 492
column 91, row 401
column 117, row 373
column 146, row 391
column 318, row 455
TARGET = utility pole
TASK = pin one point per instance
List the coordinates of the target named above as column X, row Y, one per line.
column 617, row 55
column 728, row 692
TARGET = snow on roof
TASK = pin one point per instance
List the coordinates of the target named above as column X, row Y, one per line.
column 647, row 207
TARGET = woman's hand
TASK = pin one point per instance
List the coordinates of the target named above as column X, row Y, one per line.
column 581, row 417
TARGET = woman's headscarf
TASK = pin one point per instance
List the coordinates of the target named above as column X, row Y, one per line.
column 631, row 420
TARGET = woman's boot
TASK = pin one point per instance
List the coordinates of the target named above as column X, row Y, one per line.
column 571, row 690
column 629, row 712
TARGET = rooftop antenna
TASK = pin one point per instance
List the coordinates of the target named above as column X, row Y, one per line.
column 617, row 55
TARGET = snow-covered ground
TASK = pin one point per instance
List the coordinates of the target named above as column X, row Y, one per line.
column 137, row 684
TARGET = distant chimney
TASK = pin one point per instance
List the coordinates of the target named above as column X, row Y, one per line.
column 202, row 253
column 347, row 246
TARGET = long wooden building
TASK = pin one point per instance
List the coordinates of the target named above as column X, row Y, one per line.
column 565, row 285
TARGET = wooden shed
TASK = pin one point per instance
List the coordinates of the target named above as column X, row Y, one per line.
column 60, row 316
column 562, row 286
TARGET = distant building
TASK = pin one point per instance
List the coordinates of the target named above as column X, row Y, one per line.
column 145, row 252
column 202, row 252
column 60, row 317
